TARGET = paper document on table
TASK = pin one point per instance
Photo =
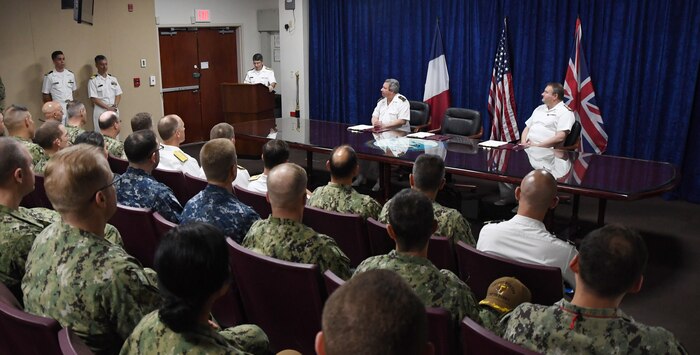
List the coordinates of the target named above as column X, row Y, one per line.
column 360, row 127
column 492, row 144
column 420, row 135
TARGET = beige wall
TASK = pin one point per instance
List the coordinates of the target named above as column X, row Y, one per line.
column 31, row 29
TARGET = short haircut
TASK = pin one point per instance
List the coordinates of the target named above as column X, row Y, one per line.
column 375, row 312
column 55, row 54
column 217, row 157
column 91, row 138
column 275, row 152
column 257, row 57
column 286, row 184
column 412, row 218
column 74, row 107
column 141, row 120
column 99, row 58
column 167, row 126
column 139, row 145
column 557, row 89
column 612, row 259
column 14, row 156
column 428, row 172
column 108, row 122
column 343, row 168
column 192, row 264
column 14, row 117
column 221, row 130
column 393, row 85
column 73, row 175
column 47, row 133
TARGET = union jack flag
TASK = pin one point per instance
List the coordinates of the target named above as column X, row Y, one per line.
column 581, row 99
column 502, row 96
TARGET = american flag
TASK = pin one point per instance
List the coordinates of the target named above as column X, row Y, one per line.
column 581, row 99
column 502, row 96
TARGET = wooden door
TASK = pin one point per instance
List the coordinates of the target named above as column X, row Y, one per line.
column 217, row 48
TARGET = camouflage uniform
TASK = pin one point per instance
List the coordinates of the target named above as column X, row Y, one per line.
column 221, row 208
column 136, row 188
column 344, row 199
column 451, row 223
column 566, row 328
column 88, row 284
column 490, row 319
column 40, row 166
column 114, row 147
column 152, row 336
column 436, row 288
column 289, row 240
column 35, row 150
column 73, row 132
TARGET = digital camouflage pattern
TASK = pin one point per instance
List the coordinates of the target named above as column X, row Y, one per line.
column 215, row 205
column 344, row 199
column 136, row 188
column 152, row 336
column 289, row 240
column 436, row 288
column 73, row 132
column 40, row 166
column 35, row 150
column 88, row 284
column 566, row 328
column 451, row 223
column 114, row 147
column 490, row 319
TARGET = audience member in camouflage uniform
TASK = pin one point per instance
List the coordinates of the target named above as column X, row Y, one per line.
column 338, row 195
column 609, row 265
column 110, row 126
column 411, row 223
column 374, row 313
column 20, row 126
column 283, row 236
column 136, row 187
column 193, row 271
column 428, row 177
column 76, row 119
column 225, row 130
column 52, row 111
column 502, row 296
column 217, row 204
column 72, row 273
column 51, row 137
column 274, row 152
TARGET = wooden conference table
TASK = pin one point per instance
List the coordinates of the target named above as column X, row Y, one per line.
column 582, row 174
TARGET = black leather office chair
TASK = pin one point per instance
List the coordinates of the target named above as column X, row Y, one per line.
column 462, row 122
column 573, row 139
column 420, row 116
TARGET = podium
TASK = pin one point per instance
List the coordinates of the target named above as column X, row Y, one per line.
column 247, row 102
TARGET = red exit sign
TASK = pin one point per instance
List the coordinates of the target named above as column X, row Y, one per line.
column 201, row 15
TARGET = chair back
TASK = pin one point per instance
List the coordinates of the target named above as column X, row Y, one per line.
column 192, row 149
column 138, row 232
column 162, row 225
column 194, row 185
column 477, row 340
column 37, row 198
column 255, row 200
column 117, row 165
column 479, row 269
column 283, row 298
column 348, row 230
column 420, row 114
column 332, row 281
column 441, row 253
column 462, row 122
column 175, row 180
column 228, row 310
column 573, row 139
column 71, row 344
column 380, row 242
column 24, row 333
column 441, row 331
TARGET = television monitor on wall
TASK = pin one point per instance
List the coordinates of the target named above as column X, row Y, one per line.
column 82, row 11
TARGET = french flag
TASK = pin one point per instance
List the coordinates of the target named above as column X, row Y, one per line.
column 437, row 82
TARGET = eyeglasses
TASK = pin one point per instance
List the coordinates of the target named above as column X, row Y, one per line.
column 114, row 180
column 160, row 147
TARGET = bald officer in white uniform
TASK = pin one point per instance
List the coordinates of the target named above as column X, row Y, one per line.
column 59, row 83
column 393, row 110
column 260, row 74
column 104, row 91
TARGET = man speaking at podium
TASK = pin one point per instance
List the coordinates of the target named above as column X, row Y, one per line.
column 260, row 74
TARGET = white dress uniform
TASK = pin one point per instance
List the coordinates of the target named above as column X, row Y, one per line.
column 258, row 183
column 546, row 158
column 545, row 123
column 527, row 240
column 61, row 86
column 263, row 76
column 173, row 158
column 399, row 108
column 242, row 177
column 105, row 89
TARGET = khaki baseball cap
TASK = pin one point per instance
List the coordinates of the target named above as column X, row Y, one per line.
column 506, row 293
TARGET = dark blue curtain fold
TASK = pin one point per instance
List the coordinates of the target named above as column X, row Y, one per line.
column 642, row 55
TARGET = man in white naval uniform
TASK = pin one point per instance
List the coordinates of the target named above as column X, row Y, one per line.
column 260, row 74
column 171, row 129
column 59, row 83
column 225, row 130
column 104, row 91
column 551, row 122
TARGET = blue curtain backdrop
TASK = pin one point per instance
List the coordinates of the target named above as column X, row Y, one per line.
column 643, row 57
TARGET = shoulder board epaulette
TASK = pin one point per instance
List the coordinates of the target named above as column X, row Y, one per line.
column 240, row 167
column 495, row 221
column 48, row 73
column 69, row 70
column 402, row 98
column 254, row 177
column 380, row 99
column 253, row 68
column 108, row 74
column 93, row 76
column 568, row 108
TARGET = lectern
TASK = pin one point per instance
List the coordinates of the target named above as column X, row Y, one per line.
column 247, row 102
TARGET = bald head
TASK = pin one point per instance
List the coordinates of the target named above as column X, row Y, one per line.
column 169, row 128
column 343, row 162
column 52, row 110
column 538, row 191
column 286, row 186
